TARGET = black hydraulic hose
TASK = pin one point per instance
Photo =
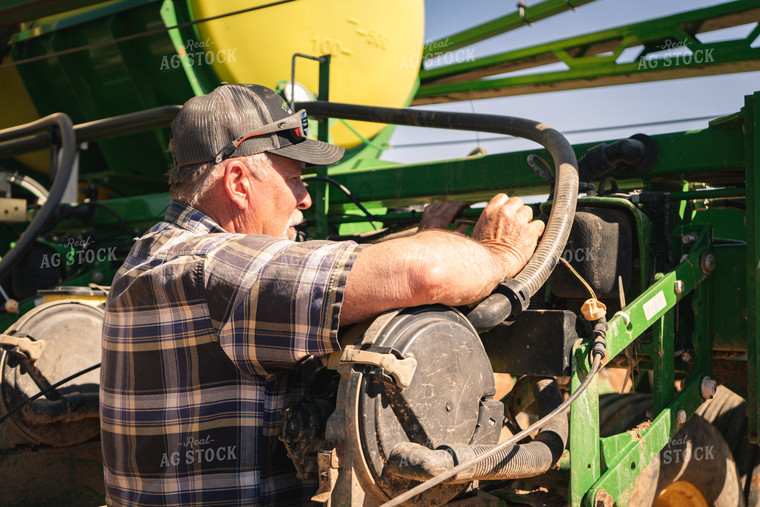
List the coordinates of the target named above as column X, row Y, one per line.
column 417, row 462
column 513, row 296
column 64, row 165
column 47, row 390
column 70, row 407
column 438, row 479
column 639, row 154
column 604, row 157
column 106, row 128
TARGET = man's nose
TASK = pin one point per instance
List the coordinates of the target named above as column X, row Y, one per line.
column 303, row 198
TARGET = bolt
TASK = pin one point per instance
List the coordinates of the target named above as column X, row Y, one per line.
column 684, row 383
column 678, row 286
column 709, row 387
column 690, row 238
column 680, row 417
column 687, row 356
column 603, row 499
column 707, row 263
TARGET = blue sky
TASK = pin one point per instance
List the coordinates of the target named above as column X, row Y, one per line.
column 574, row 110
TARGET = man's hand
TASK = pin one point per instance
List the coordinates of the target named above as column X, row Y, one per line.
column 440, row 214
column 436, row 266
column 505, row 227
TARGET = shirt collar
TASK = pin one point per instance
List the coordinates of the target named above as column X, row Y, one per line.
column 185, row 216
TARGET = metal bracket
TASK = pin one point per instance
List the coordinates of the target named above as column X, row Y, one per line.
column 12, row 210
column 31, row 348
column 521, row 6
column 329, row 462
column 401, row 370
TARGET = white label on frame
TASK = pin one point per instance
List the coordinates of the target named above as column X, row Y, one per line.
column 654, row 305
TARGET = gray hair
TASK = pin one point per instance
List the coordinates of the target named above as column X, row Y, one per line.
column 190, row 183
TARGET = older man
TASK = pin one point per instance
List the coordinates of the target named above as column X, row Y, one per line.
column 216, row 309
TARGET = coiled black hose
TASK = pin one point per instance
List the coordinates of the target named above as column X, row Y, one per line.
column 63, row 168
column 513, row 296
column 417, row 462
column 438, row 479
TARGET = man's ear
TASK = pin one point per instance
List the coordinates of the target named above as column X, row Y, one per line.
column 237, row 185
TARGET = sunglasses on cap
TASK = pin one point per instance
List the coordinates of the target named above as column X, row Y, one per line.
column 297, row 124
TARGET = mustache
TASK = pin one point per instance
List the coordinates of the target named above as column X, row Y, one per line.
column 295, row 219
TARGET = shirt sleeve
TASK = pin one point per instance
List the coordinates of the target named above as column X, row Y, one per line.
column 277, row 302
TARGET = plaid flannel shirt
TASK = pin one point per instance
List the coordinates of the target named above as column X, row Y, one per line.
column 204, row 339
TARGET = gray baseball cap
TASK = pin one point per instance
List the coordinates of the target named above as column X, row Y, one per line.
column 244, row 119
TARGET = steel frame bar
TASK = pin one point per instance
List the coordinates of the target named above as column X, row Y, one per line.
column 593, row 59
column 752, row 116
column 521, row 17
column 613, row 463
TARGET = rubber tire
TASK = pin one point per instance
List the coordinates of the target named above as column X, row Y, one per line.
column 727, row 411
column 716, row 479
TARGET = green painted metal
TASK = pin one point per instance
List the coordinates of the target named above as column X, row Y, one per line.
column 16, row 11
column 585, row 454
column 139, row 212
column 135, row 162
column 321, row 194
column 594, row 59
column 478, row 178
column 525, row 16
column 201, row 78
column 729, row 318
column 628, row 454
column 717, row 193
column 752, row 118
column 661, row 352
column 626, row 325
column 723, row 155
column 624, row 456
column 47, row 26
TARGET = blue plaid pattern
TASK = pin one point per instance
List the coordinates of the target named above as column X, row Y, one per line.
column 207, row 337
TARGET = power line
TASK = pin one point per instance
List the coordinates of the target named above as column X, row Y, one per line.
column 566, row 132
column 140, row 34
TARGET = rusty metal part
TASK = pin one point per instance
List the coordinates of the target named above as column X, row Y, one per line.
column 603, row 499
column 708, row 387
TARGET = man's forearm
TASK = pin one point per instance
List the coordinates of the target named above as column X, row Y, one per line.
column 429, row 267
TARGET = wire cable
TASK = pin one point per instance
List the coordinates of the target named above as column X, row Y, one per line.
column 438, row 479
column 47, row 390
column 345, row 191
column 565, row 132
column 118, row 217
